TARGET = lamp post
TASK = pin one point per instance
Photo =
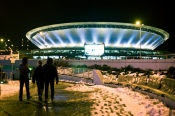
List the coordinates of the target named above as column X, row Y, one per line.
column 138, row 23
column 5, row 45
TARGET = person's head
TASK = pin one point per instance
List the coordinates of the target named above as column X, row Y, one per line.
column 39, row 62
column 49, row 61
column 24, row 60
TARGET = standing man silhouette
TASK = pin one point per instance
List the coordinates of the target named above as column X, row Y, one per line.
column 37, row 76
column 24, row 79
column 50, row 74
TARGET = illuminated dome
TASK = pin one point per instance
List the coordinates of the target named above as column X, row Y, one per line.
column 111, row 34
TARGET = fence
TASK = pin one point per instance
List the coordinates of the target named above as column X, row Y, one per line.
column 76, row 72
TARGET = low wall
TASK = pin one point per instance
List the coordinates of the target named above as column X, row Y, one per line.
column 166, row 85
column 76, row 79
column 154, row 64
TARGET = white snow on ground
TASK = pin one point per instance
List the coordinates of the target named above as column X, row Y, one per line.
column 9, row 89
column 121, row 101
column 108, row 101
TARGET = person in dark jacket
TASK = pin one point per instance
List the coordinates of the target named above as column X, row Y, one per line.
column 50, row 74
column 37, row 77
column 24, row 78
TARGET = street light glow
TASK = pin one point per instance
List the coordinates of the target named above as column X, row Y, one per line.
column 138, row 23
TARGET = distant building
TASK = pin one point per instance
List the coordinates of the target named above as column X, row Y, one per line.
column 97, row 40
column 8, row 54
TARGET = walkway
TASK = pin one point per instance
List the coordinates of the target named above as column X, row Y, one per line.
column 11, row 106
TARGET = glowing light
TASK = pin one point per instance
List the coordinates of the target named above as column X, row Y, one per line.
column 51, row 42
column 81, row 34
column 138, row 23
column 37, row 42
column 95, row 33
column 107, row 35
column 60, row 42
column 117, row 35
column 94, row 49
column 119, row 38
column 70, row 40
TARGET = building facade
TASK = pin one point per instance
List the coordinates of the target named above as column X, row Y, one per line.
column 97, row 40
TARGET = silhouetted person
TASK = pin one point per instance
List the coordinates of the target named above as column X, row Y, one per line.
column 50, row 74
column 24, row 78
column 37, row 76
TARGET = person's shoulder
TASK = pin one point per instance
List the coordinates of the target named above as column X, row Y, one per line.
column 45, row 66
column 36, row 68
column 53, row 65
column 21, row 65
column 40, row 67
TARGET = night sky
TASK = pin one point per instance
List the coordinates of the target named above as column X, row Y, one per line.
column 19, row 17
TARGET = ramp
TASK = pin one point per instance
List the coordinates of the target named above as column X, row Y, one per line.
column 97, row 77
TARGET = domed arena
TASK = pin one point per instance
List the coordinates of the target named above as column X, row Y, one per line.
column 96, row 40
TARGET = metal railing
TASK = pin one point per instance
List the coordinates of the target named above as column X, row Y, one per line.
column 76, row 74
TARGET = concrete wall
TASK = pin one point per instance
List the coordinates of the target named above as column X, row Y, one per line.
column 139, row 63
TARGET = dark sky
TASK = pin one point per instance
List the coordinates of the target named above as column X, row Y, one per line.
column 19, row 17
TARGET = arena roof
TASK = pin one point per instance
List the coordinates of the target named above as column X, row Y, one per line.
column 112, row 34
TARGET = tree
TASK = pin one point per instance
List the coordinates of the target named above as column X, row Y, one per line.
column 171, row 72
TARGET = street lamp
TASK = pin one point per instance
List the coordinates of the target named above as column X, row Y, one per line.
column 138, row 23
column 5, row 45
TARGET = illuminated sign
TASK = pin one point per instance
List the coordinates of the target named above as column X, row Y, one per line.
column 94, row 49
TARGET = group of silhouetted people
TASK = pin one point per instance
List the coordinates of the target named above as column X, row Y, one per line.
column 43, row 76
